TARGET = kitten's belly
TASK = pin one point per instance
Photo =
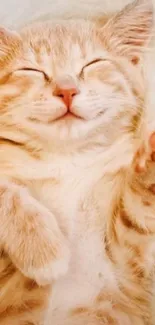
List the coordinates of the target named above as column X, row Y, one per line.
column 89, row 272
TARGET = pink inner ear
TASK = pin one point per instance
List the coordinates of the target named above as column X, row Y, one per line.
column 129, row 31
column 7, row 35
column 152, row 141
column 4, row 32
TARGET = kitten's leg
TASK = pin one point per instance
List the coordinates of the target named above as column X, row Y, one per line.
column 30, row 235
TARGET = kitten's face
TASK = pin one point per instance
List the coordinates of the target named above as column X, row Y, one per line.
column 68, row 80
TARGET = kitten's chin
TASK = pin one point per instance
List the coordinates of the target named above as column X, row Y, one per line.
column 75, row 129
column 69, row 128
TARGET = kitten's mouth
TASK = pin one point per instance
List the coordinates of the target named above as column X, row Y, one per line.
column 69, row 116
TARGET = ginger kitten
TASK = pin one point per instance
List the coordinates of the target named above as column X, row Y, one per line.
column 73, row 134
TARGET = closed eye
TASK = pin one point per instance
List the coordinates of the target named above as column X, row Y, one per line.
column 93, row 62
column 47, row 78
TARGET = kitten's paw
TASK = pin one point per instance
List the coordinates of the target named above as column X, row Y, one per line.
column 145, row 154
column 56, row 268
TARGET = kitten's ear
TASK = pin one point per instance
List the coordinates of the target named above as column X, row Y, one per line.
column 128, row 32
column 8, row 39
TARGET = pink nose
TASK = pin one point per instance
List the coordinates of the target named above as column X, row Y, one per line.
column 66, row 89
column 67, row 95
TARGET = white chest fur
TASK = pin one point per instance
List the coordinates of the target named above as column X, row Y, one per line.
column 89, row 269
column 88, row 273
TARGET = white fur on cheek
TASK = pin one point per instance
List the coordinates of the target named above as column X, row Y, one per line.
column 91, row 101
column 98, row 99
column 48, row 111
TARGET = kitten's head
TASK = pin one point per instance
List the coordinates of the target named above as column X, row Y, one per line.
column 69, row 80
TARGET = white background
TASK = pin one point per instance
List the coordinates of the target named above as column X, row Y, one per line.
column 18, row 12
